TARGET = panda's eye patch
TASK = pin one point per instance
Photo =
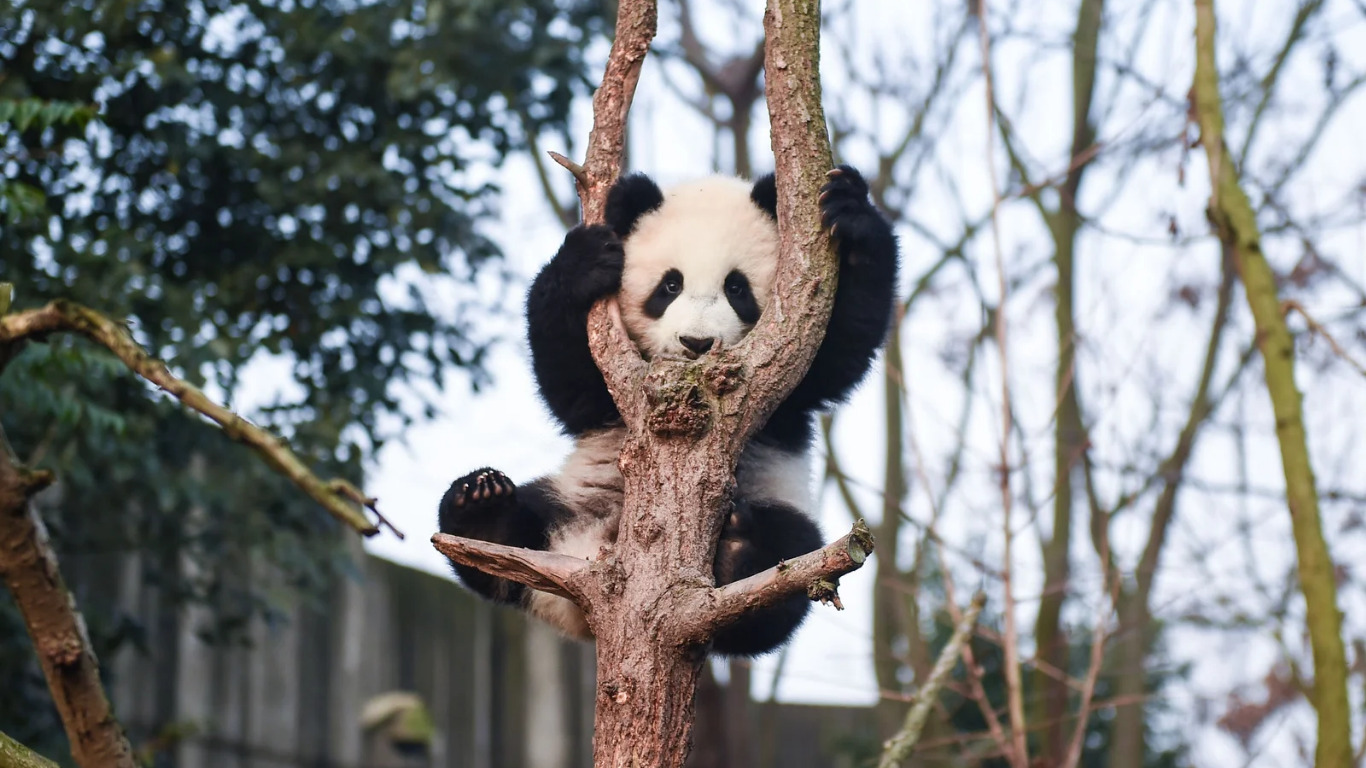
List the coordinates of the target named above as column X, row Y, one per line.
column 663, row 295
column 741, row 298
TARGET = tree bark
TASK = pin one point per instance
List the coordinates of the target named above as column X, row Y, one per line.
column 1237, row 228
column 29, row 568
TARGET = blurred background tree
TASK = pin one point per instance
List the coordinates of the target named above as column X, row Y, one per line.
column 295, row 185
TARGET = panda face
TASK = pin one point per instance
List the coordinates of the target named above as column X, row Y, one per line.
column 699, row 269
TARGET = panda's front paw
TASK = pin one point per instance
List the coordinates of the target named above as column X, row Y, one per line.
column 592, row 259
column 848, row 213
column 470, row 501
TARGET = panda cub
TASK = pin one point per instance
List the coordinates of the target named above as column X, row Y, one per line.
column 692, row 268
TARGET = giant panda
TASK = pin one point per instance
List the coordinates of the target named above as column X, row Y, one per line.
column 692, row 269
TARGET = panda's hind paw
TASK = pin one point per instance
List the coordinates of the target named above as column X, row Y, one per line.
column 736, row 555
column 480, row 486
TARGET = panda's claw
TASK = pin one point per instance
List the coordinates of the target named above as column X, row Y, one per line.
column 836, row 171
column 480, row 486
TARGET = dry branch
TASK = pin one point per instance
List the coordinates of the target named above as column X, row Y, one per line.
column 337, row 496
column 1317, row 328
column 899, row 747
column 546, row 571
column 1010, row 648
column 814, row 573
column 28, row 566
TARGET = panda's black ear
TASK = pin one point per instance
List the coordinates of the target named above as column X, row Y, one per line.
column 765, row 195
column 631, row 197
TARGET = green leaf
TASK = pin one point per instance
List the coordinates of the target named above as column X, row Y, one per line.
column 28, row 110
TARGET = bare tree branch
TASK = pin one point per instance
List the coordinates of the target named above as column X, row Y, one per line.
column 815, row 573
column 900, row 746
column 1014, row 684
column 1317, row 328
column 29, row 568
column 337, row 496
column 636, row 21
column 1236, row 224
column 538, row 569
column 16, row 755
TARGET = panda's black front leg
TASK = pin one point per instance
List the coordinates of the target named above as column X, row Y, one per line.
column 865, row 298
column 488, row 506
column 757, row 536
column 586, row 268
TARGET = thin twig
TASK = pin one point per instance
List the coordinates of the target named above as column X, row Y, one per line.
column 1314, row 326
column 1014, row 684
column 580, row 175
column 899, row 747
column 1088, row 690
column 562, row 212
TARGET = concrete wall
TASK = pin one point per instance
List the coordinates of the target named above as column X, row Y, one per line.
column 502, row 692
column 293, row 695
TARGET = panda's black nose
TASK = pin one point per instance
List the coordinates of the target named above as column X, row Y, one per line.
column 696, row 345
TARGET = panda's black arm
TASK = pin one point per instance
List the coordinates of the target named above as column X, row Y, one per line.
column 864, row 300
column 586, row 268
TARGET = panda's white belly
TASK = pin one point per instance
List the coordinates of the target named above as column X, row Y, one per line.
column 590, row 485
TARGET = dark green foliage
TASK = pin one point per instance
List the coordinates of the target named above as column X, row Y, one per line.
column 303, row 180
column 20, row 202
column 24, row 114
column 259, row 171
